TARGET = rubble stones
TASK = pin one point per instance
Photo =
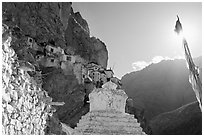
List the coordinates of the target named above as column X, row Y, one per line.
column 9, row 108
column 17, row 117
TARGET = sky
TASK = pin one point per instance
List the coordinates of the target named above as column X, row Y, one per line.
column 137, row 34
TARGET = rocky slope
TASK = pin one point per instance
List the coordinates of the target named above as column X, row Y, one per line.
column 160, row 87
column 186, row 120
column 55, row 24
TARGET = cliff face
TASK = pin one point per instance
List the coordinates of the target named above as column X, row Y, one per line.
column 57, row 25
column 78, row 38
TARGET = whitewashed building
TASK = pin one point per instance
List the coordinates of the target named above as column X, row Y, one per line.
column 30, row 41
column 109, row 73
column 79, row 59
column 93, row 66
column 103, row 78
column 73, row 59
column 78, row 71
column 54, row 50
column 95, row 76
column 67, row 67
column 117, row 81
column 52, row 62
column 65, row 57
column 39, row 57
column 32, row 44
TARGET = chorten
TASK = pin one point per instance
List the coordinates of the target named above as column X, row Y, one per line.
column 107, row 114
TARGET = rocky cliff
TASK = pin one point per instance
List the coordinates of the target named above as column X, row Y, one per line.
column 34, row 26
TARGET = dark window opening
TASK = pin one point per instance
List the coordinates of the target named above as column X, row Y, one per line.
column 52, row 42
column 68, row 58
column 37, row 56
column 30, row 40
column 52, row 60
column 52, row 50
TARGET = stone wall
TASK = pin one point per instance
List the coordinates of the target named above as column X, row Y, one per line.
column 25, row 107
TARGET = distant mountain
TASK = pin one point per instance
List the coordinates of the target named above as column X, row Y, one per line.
column 160, row 87
column 186, row 120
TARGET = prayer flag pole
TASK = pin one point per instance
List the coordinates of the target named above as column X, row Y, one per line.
column 193, row 69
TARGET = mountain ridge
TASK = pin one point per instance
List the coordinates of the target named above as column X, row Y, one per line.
column 160, row 87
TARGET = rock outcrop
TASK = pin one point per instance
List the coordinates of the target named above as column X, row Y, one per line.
column 78, row 38
column 107, row 114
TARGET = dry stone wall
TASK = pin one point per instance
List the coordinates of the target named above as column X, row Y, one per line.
column 24, row 104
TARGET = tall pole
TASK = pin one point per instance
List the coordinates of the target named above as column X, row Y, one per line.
column 194, row 78
column 193, row 70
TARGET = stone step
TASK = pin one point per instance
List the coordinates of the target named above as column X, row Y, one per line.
column 110, row 119
column 111, row 122
column 105, row 133
column 99, row 131
column 108, row 114
column 110, row 126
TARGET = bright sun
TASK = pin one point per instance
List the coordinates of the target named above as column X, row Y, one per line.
column 190, row 33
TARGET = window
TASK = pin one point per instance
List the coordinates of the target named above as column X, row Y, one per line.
column 52, row 60
column 38, row 56
column 30, row 40
column 68, row 58
column 52, row 50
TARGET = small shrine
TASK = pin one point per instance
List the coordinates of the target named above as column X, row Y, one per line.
column 107, row 114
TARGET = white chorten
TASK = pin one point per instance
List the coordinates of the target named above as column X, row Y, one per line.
column 107, row 114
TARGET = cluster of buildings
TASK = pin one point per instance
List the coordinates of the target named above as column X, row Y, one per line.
column 84, row 71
